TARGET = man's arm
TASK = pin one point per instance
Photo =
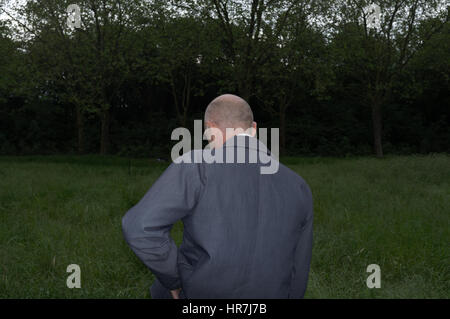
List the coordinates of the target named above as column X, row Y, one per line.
column 147, row 225
column 302, row 258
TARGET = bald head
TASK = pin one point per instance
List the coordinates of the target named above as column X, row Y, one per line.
column 229, row 111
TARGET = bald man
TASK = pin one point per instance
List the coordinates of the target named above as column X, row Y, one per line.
column 245, row 234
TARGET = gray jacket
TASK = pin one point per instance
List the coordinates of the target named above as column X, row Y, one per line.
column 246, row 234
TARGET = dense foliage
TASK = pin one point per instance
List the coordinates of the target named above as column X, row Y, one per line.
column 137, row 69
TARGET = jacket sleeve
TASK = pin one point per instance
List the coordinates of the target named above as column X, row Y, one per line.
column 303, row 251
column 146, row 226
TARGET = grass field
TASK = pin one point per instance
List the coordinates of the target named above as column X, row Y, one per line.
column 56, row 211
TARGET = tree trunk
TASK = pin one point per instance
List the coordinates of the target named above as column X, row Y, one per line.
column 105, row 138
column 80, row 129
column 377, row 128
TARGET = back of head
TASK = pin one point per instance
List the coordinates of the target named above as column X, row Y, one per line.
column 229, row 111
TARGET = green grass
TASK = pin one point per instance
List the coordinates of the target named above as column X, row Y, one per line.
column 61, row 210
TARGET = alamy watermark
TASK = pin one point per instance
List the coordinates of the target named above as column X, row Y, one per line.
column 374, row 279
column 74, row 279
column 372, row 14
column 74, row 18
column 214, row 152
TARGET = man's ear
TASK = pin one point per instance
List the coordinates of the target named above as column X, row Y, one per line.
column 212, row 132
column 210, row 124
column 253, row 130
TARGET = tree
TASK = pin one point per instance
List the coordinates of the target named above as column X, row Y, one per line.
column 376, row 57
column 88, row 63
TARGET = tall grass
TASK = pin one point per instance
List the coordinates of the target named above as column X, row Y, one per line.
column 61, row 210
